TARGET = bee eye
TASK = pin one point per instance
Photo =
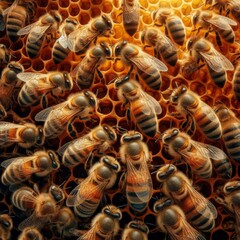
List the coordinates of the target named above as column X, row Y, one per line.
column 184, row 89
column 174, row 98
column 175, row 132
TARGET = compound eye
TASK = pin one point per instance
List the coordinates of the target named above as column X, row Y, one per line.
column 175, row 132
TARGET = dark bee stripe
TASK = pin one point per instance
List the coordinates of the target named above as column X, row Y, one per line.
column 59, row 53
column 87, row 208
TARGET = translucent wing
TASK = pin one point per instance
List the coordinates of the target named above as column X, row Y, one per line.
column 200, row 201
column 7, row 10
column 29, row 76
column 222, row 22
column 153, row 106
column 77, row 43
column 90, row 234
column 187, row 233
column 4, row 126
column 42, row 115
column 140, row 176
column 38, row 32
column 85, row 191
column 32, row 221
column 17, row 160
column 163, row 40
column 25, row 30
column 75, row 70
column 63, row 40
column 130, row 13
column 144, row 60
column 216, row 61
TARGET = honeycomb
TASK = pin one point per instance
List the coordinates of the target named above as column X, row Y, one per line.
column 111, row 112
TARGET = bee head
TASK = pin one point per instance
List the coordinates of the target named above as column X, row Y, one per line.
column 165, row 171
column 119, row 47
column 161, row 204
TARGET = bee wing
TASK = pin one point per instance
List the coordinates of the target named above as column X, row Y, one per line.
column 222, row 22
column 75, row 70
column 7, row 10
column 87, row 188
column 144, row 60
column 140, row 176
column 199, row 201
column 90, row 234
column 63, row 40
column 235, row 4
column 30, row 76
column 153, row 105
column 31, row 221
column 39, row 32
column 187, row 233
column 4, row 126
column 165, row 41
column 85, row 34
column 17, row 160
column 25, row 30
column 42, row 115
column 216, row 61
column 130, row 13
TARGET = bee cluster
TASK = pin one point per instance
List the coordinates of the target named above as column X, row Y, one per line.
column 113, row 112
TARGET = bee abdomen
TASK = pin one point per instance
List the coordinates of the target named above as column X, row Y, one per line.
column 15, row 21
column 74, row 157
column 177, row 30
column 232, row 143
column 228, row 35
column 53, row 128
column 20, row 199
column 12, row 175
column 25, row 98
column 219, row 78
column 209, row 124
column 236, row 83
column 87, row 208
column 59, row 53
column 147, row 124
column 152, row 79
column 204, row 171
column 223, row 167
column 170, row 58
column 33, row 47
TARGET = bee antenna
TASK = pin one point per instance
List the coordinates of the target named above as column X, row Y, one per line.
column 122, row 206
column 120, row 129
column 160, row 136
column 113, row 80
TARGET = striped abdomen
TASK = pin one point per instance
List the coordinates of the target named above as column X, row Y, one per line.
column 236, row 83
column 170, row 57
column 227, row 35
column 59, row 53
column 147, row 123
column 176, row 29
column 219, row 78
column 28, row 95
column 134, row 190
column 23, row 198
column 15, row 21
column 88, row 207
column 208, row 121
column 33, row 46
column 202, row 219
column 73, row 156
column 223, row 167
column 151, row 77
column 231, row 138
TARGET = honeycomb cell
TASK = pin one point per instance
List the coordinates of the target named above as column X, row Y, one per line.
column 64, row 3
column 96, row 2
column 119, row 110
column 110, row 121
column 42, row 3
column 107, row 7
column 52, row 6
column 37, row 65
column 186, row 9
column 220, row 234
column 176, row 3
column 50, row 66
column 46, row 54
column 197, row 3
column 95, row 12
column 17, row 46
column 74, row 10
column 84, row 18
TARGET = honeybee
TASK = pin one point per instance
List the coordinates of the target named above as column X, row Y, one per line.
column 81, row 38
column 135, row 154
column 79, row 150
column 57, row 117
column 217, row 63
column 231, row 202
column 131, row 16
column 3, row 6
column 4, row 54
column 236, row 82
column 37, row 85
column 16, row 17
column 174, row 25
column 200, row 212
column 19, row 169
column 219, row 23
column 233, row 7
column 86, row 197
column 57, row 193
column 6, row 226
column 197, row 155
column 60, row 48
column 65, row 220
column 148, row 67
column 189, row 103
column 30, row 233
column 230, row 130
column 135, row 230
column 105, row 225
column 26, row 135
column 43, row 204
column 143, row 107
column 163, row 45
column 47, row 24
column 85, row 70
column 172, row 220
column 7, row 84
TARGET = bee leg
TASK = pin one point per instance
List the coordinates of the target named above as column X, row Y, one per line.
column 122, row 181
column 89, row 162
column 218, row 39
column 100, row 75
column 44, row 101
column 72, row 131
